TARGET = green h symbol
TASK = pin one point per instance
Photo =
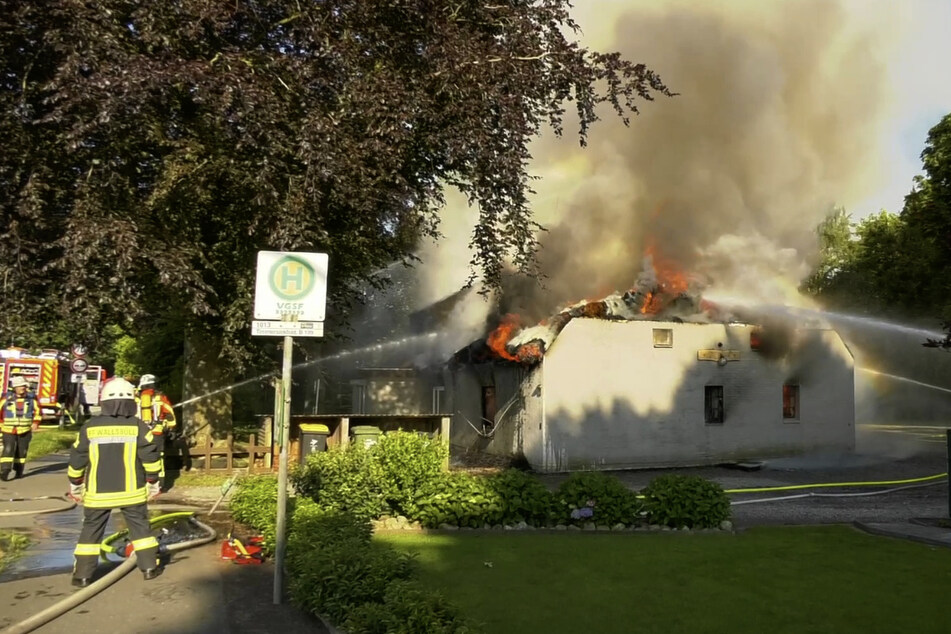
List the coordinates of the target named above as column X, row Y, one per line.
column 296, row 277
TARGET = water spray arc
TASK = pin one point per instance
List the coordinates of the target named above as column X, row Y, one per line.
column 387, row 345
column 904, row 379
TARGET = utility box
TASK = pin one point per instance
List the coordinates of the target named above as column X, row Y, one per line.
column 313, row 438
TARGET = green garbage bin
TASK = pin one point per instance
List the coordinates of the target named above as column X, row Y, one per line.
column 313, row 438
column 366, row 435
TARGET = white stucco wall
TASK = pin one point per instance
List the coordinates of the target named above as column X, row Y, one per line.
column 613, row 400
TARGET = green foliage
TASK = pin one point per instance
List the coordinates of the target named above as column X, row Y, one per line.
column 523, row 497
column 894, row 264
column 407, row 462
column 692, row 501
column 370, row 482
column 254, row 504
column 347, row 480
column 459, row 499
column 592, row 496
column 334, row 566
column 407, row 608
column 12, row 546
column 151, row 149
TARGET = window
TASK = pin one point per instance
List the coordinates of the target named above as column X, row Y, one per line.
column 791, row 402
column 713, row 404
column 438, row 393
column 663, row 338
column 756, row 339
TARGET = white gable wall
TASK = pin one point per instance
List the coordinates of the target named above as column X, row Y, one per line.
column 613, row 400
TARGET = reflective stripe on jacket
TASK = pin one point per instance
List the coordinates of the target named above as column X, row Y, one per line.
column 115, row 457
column 19, row 413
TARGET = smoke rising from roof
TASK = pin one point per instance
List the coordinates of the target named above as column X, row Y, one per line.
column 775, row 121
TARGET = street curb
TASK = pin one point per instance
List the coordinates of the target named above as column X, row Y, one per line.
column 884, row 532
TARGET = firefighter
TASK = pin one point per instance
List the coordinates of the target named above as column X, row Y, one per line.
column 155, row 410
column 21, row 415
column 114, row 464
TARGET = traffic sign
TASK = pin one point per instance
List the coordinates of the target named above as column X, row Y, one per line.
column 290, row 285
column 78, row 365
column 78, row 350
column 287, row 328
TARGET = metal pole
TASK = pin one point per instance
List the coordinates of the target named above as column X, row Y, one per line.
column 281, row 546
column 948, row 432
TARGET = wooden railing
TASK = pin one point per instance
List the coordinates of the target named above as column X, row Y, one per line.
column 229, row 451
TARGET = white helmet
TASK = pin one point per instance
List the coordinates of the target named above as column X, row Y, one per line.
column 18, row 381
column 146, row 379
column 117, row 389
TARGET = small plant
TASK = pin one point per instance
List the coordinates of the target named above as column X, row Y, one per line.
column 524, row 498
column 596, row 497
column 254, row 504
column 692, row 501
column 408, row 462
column 410, row 609
column 459, row 499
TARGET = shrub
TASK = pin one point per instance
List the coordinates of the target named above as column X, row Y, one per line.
column 678, row 500
column 459, row 499
column 254, row 504
column 333, row 569
column 407, row 463
column 524, row 498
column 370, row 482
column 407, row 608
column 596, row 497
column 348, row 480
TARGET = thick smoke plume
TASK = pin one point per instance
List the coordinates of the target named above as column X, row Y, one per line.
column 776, row 118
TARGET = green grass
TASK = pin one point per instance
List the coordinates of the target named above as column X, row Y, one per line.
column 198, row 479
column 11, row 546
column 47, row 441
column 784, row 579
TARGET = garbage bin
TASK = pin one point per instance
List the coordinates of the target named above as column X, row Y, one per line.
column 313, row 438
column 365, row 435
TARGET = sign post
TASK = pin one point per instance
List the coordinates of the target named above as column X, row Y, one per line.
column 290, row 298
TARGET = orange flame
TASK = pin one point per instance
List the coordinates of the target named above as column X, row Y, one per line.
column 671, row 280
column 502, row 334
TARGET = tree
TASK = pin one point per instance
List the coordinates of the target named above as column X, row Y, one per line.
column 837, row 248
column 151, row 149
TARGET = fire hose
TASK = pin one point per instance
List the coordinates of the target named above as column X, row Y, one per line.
column 45, row 616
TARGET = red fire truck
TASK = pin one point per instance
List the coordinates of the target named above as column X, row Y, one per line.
column 48, row 375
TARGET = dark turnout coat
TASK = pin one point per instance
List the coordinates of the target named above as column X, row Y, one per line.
column 114, row 456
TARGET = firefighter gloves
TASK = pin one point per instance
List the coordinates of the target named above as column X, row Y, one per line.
column 76, row 492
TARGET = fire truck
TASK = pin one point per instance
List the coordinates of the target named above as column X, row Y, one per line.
column 48, row 376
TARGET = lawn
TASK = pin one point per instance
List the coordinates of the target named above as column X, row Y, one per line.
column 779, row 579
column 47, row 441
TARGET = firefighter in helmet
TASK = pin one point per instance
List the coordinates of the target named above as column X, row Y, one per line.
column 155, row 410
column 20, row 416
column 114, row 464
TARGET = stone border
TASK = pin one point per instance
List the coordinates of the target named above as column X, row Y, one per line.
column 402, row 523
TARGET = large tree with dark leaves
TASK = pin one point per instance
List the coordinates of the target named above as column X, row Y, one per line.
column 151, row 149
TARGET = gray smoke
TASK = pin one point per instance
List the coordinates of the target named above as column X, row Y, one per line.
column 777, row 113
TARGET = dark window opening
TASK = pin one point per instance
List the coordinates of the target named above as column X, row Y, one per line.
column 756, row 339
column 790, row 402
column 713, row 404
column 489, row 407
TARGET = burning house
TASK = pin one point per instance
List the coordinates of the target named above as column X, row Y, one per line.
column 652, row 377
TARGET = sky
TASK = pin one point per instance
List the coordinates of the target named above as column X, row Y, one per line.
column 915, row 42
